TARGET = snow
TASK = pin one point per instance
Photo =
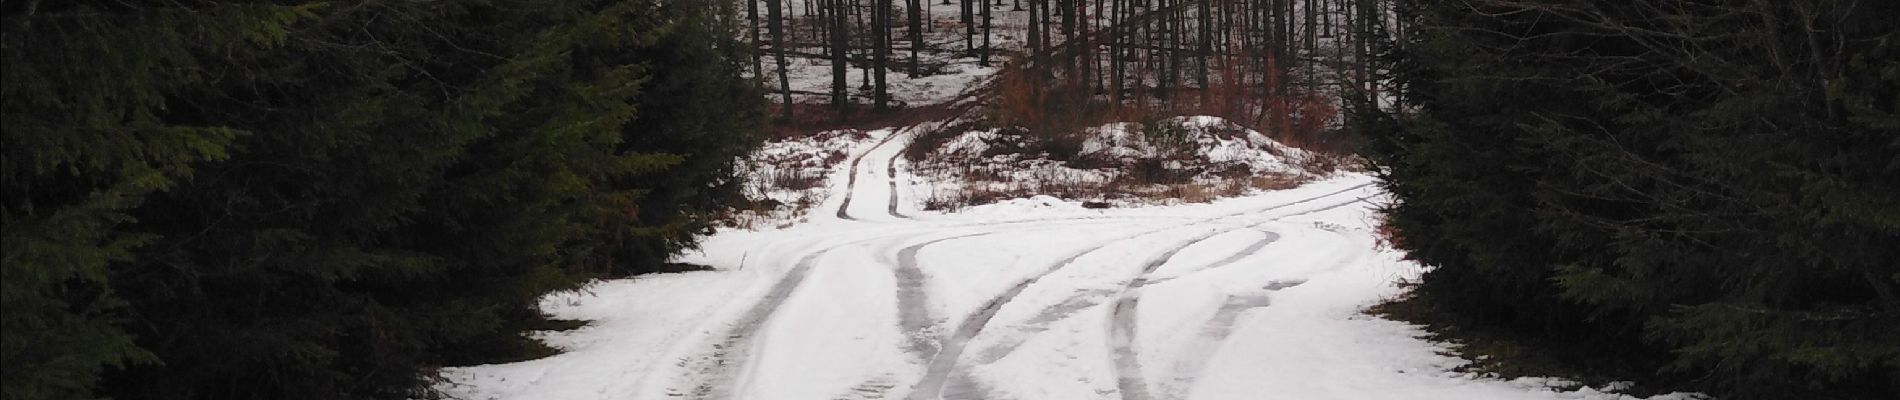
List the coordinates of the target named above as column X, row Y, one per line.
column 1208, row 140
column 946, row 71
column 1253, row 297
column 1214, row 157
column 793, row 174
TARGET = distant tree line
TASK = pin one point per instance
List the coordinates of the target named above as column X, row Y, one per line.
column 1707, row 191
column 1276, row 62
column 327, row 200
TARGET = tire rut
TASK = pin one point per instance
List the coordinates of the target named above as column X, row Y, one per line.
column 943, row 363
column 1129, row 376
column 1121, row 336
column 912, row 311
column 1215, row 332
column 891, row 170
column 1233, row 258
column 851, row 182
column 718, row 372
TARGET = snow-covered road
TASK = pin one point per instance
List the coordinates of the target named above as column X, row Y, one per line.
column 1258, row 297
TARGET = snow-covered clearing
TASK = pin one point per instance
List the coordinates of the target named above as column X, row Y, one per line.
column 1254, row 297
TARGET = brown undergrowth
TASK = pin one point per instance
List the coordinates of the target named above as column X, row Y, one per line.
column 1048, row 119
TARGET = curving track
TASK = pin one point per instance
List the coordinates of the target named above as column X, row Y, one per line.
column 935, row 343
column 873, row 302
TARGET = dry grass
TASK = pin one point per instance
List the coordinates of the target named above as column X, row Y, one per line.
column 985, row 186
column 794, row 179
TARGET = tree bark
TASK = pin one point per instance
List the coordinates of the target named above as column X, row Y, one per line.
column 773, row 13
column 880, row 53
column 915, row 10
column 840, row 58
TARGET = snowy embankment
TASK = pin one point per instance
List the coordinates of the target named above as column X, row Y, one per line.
column 786, row 178
column 1252, row 297
column 1167, row 161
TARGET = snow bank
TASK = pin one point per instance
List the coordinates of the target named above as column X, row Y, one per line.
column 1191, row 159
column 786, row 178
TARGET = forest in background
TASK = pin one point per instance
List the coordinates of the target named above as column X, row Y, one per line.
column 302, row 199
column 1697, row 195
column 1276, row 65
column 329, row 199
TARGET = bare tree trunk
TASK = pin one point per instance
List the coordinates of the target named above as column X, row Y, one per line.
column 969, row 26
column 984, row 59
column 752, row 32
column 1204, row 29
column 1035, row 34
column 1034, row 67
column 856, row 10
column 1090, row 50
column 1068, row 33
column 840, row 58
column 915, row 10
column 880, row 53
column 774, row 22
column 1115, row 49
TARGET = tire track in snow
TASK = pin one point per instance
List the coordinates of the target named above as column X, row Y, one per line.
column 1130, row 379
column 1220, row 325
column 1242, row 254
column 965, row 388
column 1218, row 328
column 1121, row 334
column 891, row 168
column 851, row 183
column 941, row 364
column 913, row 312
column 912, row 300
column 944, row 362
column 718, row 375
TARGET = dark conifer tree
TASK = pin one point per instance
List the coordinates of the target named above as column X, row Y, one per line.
column 236, row 200
column 1698, row 192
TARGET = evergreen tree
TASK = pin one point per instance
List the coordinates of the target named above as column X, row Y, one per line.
column 315, row 200
column 1705, row 190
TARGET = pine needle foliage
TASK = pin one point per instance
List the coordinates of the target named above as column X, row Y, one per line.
column 330, row 199
column 1706, row 190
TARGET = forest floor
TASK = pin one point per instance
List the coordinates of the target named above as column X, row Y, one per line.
column 1260, row 296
